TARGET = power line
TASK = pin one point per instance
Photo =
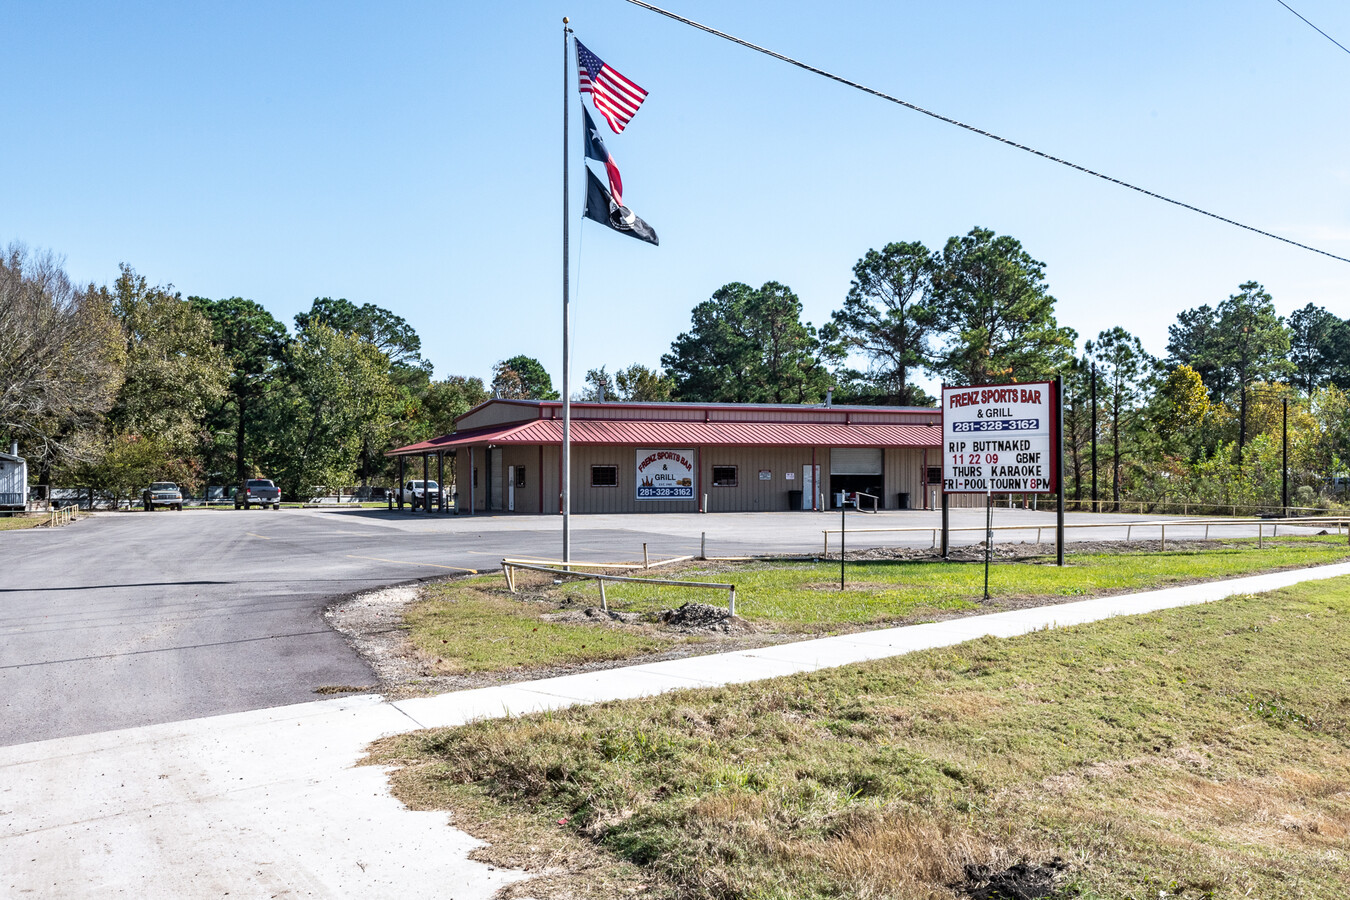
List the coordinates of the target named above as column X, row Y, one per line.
column 1312, row 26
column 950, row 121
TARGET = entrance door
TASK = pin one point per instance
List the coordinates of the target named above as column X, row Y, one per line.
column 810, row 486
column 510, row 488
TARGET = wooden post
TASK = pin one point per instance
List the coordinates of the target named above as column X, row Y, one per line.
column 644, row 555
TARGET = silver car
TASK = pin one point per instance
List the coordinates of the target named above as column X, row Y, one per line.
column 162, row 493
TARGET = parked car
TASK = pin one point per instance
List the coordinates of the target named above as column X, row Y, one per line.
column 257, row 491
column 162, row 493
column 416, row 493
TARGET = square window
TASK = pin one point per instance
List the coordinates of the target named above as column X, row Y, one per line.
column 724, row 476
column 604, row 476
column 934, row 475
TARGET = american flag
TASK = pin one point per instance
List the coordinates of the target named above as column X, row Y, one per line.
column 615, row 97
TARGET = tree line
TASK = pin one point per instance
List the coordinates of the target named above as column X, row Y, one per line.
column 110, row 387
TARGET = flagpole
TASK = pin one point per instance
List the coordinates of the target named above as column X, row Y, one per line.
column 566, row 353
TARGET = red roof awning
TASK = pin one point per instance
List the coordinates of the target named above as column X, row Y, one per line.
column 671, row 434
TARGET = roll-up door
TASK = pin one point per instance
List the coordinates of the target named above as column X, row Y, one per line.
column 855, row 461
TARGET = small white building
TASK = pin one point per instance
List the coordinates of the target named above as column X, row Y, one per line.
column 13, row 479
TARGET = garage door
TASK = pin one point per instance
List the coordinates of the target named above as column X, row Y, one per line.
column 855, row 461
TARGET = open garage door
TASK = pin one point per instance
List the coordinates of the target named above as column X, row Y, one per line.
column 855, row 469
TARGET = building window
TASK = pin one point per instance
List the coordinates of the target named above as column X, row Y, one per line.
column 520, row 476
column 934, row 475
column 724, row 476
column 604, row 476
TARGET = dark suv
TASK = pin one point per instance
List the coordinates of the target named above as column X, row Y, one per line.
column 258, row 491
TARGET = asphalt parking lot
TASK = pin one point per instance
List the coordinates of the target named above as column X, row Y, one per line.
column 131, row 619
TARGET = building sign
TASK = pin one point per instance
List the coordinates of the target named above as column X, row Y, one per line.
column 999, row 438
column 665, row 474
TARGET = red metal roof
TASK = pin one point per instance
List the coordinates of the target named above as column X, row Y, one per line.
column 670, row 434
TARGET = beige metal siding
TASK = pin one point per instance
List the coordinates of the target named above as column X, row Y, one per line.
column 750, row 494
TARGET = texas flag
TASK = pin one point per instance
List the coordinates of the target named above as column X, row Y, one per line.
column 595, row 149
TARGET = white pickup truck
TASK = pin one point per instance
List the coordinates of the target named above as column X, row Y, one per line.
column 417, row 492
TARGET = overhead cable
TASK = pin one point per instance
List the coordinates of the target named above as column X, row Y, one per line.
column 950, row 121
column 1312, row 26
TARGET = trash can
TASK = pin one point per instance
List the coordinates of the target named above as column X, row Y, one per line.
column 902, row 500
column 794, row 499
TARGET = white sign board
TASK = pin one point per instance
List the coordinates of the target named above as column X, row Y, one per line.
column 999, row 438
column 665, row 474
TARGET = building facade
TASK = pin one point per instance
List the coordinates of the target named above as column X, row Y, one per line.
column 506, row 456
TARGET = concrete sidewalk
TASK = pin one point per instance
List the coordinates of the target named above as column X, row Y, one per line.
column 271, row 803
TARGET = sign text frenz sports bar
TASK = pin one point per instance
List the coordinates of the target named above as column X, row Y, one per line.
column 999, row 438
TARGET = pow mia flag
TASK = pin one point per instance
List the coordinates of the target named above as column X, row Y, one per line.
column 601, row 207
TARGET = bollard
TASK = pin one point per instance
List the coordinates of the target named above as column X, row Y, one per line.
column 1163, row 546
column 1260, row 536
column 825, row 554
column 703, row 545
column 644, row 555
column 731, row 603
column 604, row 601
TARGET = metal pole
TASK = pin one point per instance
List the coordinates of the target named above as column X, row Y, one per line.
column 1094, row 438
column 946, row 529
column 843, row 510
column 401, row 458
column 1059, row 470
column 566, row 353
column 988, row 538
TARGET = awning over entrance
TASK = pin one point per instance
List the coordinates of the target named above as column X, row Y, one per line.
column 675, row 434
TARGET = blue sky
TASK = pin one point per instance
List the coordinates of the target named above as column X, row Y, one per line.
column 409, row 155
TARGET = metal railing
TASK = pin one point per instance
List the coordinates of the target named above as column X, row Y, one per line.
column 1261, row 525
column 509, row 568
column 857, row 497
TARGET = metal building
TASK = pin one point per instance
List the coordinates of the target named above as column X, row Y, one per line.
column 685, row 457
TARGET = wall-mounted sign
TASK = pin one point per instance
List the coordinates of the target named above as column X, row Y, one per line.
column 999, row 438
column 790, row 476
column 665, row 474
column 766, row 474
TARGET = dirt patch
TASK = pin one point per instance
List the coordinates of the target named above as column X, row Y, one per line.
column 1018, row 551
column 372, row 624
column 701, row 618
column 1023, row 881
column 592, row 615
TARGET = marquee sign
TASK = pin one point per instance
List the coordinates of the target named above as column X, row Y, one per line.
column 999, row 438
column 665, row 474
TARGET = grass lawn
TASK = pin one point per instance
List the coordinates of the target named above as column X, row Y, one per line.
column 14, row 523
column 474, row 625
column 806, row 596
column 1201, row 752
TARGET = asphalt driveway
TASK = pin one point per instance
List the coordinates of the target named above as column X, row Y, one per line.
column 134, row 619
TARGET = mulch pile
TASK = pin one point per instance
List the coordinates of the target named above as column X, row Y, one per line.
column 1024, row 881
column 702, row 617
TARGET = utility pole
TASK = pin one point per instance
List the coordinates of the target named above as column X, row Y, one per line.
column 1094, row 438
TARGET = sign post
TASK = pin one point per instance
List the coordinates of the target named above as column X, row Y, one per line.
column 1005, row 438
